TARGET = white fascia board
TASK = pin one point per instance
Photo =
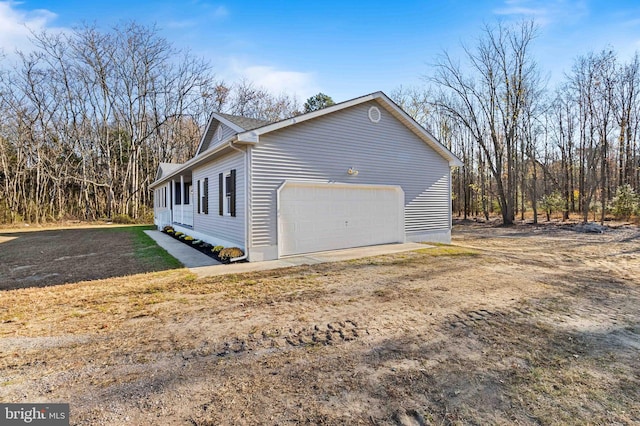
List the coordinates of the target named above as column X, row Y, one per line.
column 220, row 119
column 425, row 135
column 195, row 161
column 251, row 137
column 204, row 134
column 228, row 123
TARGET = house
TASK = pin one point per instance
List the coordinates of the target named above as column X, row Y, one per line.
column 358, row 173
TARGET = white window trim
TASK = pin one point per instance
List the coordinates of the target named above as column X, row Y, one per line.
column 201, row 196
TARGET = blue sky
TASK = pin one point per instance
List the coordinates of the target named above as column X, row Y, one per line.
column 342, row 48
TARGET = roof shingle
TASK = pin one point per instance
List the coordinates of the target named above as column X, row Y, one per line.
column 245, row 122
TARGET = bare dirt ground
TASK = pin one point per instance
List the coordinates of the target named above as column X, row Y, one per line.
column 38, row 258
column 520, row 325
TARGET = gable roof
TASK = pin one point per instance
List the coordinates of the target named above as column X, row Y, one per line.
column 252, row 136
column 235, row 122
column 165, row 169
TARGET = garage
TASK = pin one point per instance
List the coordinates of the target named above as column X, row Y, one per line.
column 329, row 216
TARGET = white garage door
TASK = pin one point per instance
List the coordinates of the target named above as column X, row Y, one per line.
column 328, row 216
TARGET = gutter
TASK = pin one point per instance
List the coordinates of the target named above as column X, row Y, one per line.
column 246, row 195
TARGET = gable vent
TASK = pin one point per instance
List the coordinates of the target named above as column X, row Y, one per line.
column 374, row 114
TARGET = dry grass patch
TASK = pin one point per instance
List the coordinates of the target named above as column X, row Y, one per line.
column 505, row 326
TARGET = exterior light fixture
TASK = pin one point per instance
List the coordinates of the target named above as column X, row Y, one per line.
column 352, row 171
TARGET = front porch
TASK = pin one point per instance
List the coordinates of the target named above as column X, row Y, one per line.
column 181, row 207
column 183, row 215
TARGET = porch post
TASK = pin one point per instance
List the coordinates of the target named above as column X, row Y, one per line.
column 181, row 199
column 172, row 188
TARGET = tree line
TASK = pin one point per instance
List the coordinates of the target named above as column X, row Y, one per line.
column 87, row 116
column 527, row 147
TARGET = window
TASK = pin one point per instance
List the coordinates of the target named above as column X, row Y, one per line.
column 177, row 194
column 227, row 193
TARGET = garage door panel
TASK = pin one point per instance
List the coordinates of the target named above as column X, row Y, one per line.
column 317, row 217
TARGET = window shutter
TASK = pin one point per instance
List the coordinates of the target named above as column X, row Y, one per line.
column 220, row 194
column 205, row 202
column 198, row 210
column 233, row 193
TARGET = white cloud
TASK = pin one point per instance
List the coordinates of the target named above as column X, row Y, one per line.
column 16, row 25
column 277, row 81
column 220, row 12
column 544, row 11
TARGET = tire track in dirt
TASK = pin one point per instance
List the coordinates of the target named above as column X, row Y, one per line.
column 619, row 325
column 274, row 339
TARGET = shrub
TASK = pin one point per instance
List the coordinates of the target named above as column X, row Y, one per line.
column 625, row 202
column 123, row 219
column 178, row 234
column 551, row 203
column 145, row 214
column 167, row 228
column 188, row 238
column 217, row 249
column 229, row 253
column 196, row 242
column 170, row 231
column 206, row 246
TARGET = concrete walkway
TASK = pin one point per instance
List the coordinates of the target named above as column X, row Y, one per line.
column 204, row 266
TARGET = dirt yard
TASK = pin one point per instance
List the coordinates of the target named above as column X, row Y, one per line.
column 520, row 325
column 39, row 258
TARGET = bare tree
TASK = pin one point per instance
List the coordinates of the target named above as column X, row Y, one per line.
column 88, row 115
column 489, row 99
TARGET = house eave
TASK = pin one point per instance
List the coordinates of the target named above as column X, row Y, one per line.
column 196, row 161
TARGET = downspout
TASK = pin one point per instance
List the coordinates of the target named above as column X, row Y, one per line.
column 246, row 195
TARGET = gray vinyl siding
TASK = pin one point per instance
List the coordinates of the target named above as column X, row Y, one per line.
column 223, row 227
column 324, row 148
column 212, row 141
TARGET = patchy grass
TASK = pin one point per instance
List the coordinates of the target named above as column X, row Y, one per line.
column 145, row 249
column 60, row 256
column 530, row 329
column 449, row 250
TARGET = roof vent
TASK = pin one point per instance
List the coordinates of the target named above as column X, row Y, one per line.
column 374, row 114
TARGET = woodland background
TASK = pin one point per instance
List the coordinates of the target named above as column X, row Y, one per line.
column 85, row 118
